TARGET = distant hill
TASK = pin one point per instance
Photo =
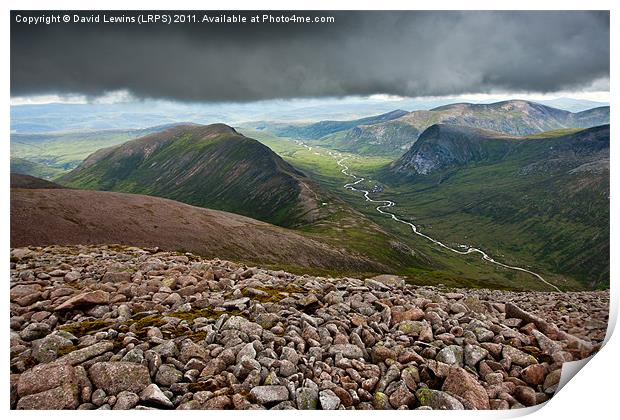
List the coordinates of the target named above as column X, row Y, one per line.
column 62, row 151
column 518, row 118
column 542, row 198
column 323, row 128
column 41, row 217
column 209, row 166
column 573, row 105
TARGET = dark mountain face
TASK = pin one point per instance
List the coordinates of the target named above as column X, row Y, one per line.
column 444, row 146
column 208, row 166
column 517, row 118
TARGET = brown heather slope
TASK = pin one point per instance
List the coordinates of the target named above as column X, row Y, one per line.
column 41, row 217
column 27, row 181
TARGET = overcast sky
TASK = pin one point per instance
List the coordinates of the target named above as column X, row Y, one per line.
column 414, row 54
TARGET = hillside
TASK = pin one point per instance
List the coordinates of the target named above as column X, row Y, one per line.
column 542, row 199
column 41, row 217
column 209, row 166
column 26, row 167
column 142, row 328
column 517, row 118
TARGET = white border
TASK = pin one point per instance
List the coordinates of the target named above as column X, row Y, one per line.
column 591, row 394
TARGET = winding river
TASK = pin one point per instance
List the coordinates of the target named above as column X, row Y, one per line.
column 383, row 205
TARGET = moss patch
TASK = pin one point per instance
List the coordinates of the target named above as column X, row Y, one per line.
column 209, row 313
column 142, row 322
column 274, row 294
column 66, row 350
column 201, row 386
column 80, row 329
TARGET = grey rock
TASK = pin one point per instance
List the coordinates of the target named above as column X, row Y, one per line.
column 247, row 351
column 518, row 357
column 268, row 394
column 348, row 350
column 114, row 377
column 287, row 368
column 451, row 355
column 307, row 398
column 126, row 400
column 329, row 400
column 116, row 277
column 79, row 356
column 167, row 349
column 474, row 354
column 34, row 331
column 153, row 395
column 438, row 400
column 168, row 375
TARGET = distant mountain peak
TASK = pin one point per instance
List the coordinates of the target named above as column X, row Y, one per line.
column 202, row 130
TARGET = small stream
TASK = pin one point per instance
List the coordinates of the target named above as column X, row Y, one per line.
column 386, row 204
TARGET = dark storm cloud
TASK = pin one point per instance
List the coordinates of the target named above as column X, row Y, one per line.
column 400, row 53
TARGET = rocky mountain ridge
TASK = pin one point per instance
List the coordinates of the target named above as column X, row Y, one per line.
column 514, row 117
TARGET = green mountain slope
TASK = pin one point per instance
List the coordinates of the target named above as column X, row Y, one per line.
column 541, row 199
column 209, row 166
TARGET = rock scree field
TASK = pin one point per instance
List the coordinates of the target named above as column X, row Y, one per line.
column 119, row 327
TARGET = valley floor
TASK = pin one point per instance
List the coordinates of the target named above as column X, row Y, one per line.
column 124, row 327
column 442, row 265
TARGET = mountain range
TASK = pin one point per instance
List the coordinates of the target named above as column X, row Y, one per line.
column 394, row 136
column 526, row 182
column 320, row 129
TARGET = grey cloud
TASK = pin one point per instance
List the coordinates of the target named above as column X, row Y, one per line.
column 400, row 53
